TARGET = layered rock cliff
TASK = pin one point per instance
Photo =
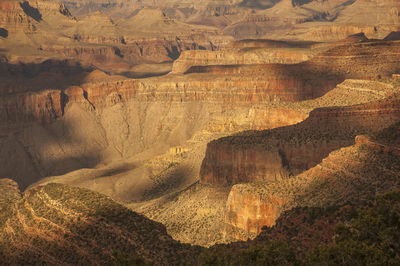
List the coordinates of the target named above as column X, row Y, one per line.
column 276, row 154
column 44, row 107
column 235, row 57
column 39, row 30
column 248, row 212
column 349, row 175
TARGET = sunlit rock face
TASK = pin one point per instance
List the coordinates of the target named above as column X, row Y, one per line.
column 273, row 155
column 247, row 213
column 256, row 204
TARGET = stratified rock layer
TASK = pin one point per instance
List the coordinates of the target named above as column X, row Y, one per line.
column 352, row 174
column 275, row 154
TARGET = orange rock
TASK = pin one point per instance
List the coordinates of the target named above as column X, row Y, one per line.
column 246, row 212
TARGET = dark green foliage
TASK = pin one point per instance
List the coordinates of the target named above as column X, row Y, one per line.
column 121, row 259
column 274, row 253
column 217, row 256
column 372, row 238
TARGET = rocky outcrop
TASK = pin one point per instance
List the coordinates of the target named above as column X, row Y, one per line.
column 247, row 213
column 234, row 57
column 276, row 154
column 226, row 164
column 13, row 19
column 342, row 59
column 87, row 30
column 341, row 31
column 315, row 77
column 43, row 107
column 161, row 50
column 349, row 175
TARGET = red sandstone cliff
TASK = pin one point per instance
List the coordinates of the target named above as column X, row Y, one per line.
column 274, row 154
column 247, row 213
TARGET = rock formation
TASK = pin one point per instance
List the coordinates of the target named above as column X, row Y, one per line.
column 341, row 177
column 185, row 216
column 45, row 29
column 312, row 20
column 275, row 154
column 229, row 57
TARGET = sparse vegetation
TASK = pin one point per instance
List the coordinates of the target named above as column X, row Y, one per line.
column 390, row 135
column 74, row 225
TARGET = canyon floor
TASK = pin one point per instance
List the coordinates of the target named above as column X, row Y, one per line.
column 195, row 132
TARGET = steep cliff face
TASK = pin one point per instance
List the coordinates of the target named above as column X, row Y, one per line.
column 352, row 174
column 345, row 57
column 341, row 31
column 44, row 107
column 247, row 213
column 231, row 87
column 234, row 57
column 315, row 77
column 214, row 99
column 25, row 17
column 208, row 202
column 231, row 164
column 14, row 20
column 275, row 154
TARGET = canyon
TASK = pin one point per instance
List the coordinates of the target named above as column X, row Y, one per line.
column 201, row 123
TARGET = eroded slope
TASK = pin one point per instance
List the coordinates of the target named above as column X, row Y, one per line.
column 61, row 225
